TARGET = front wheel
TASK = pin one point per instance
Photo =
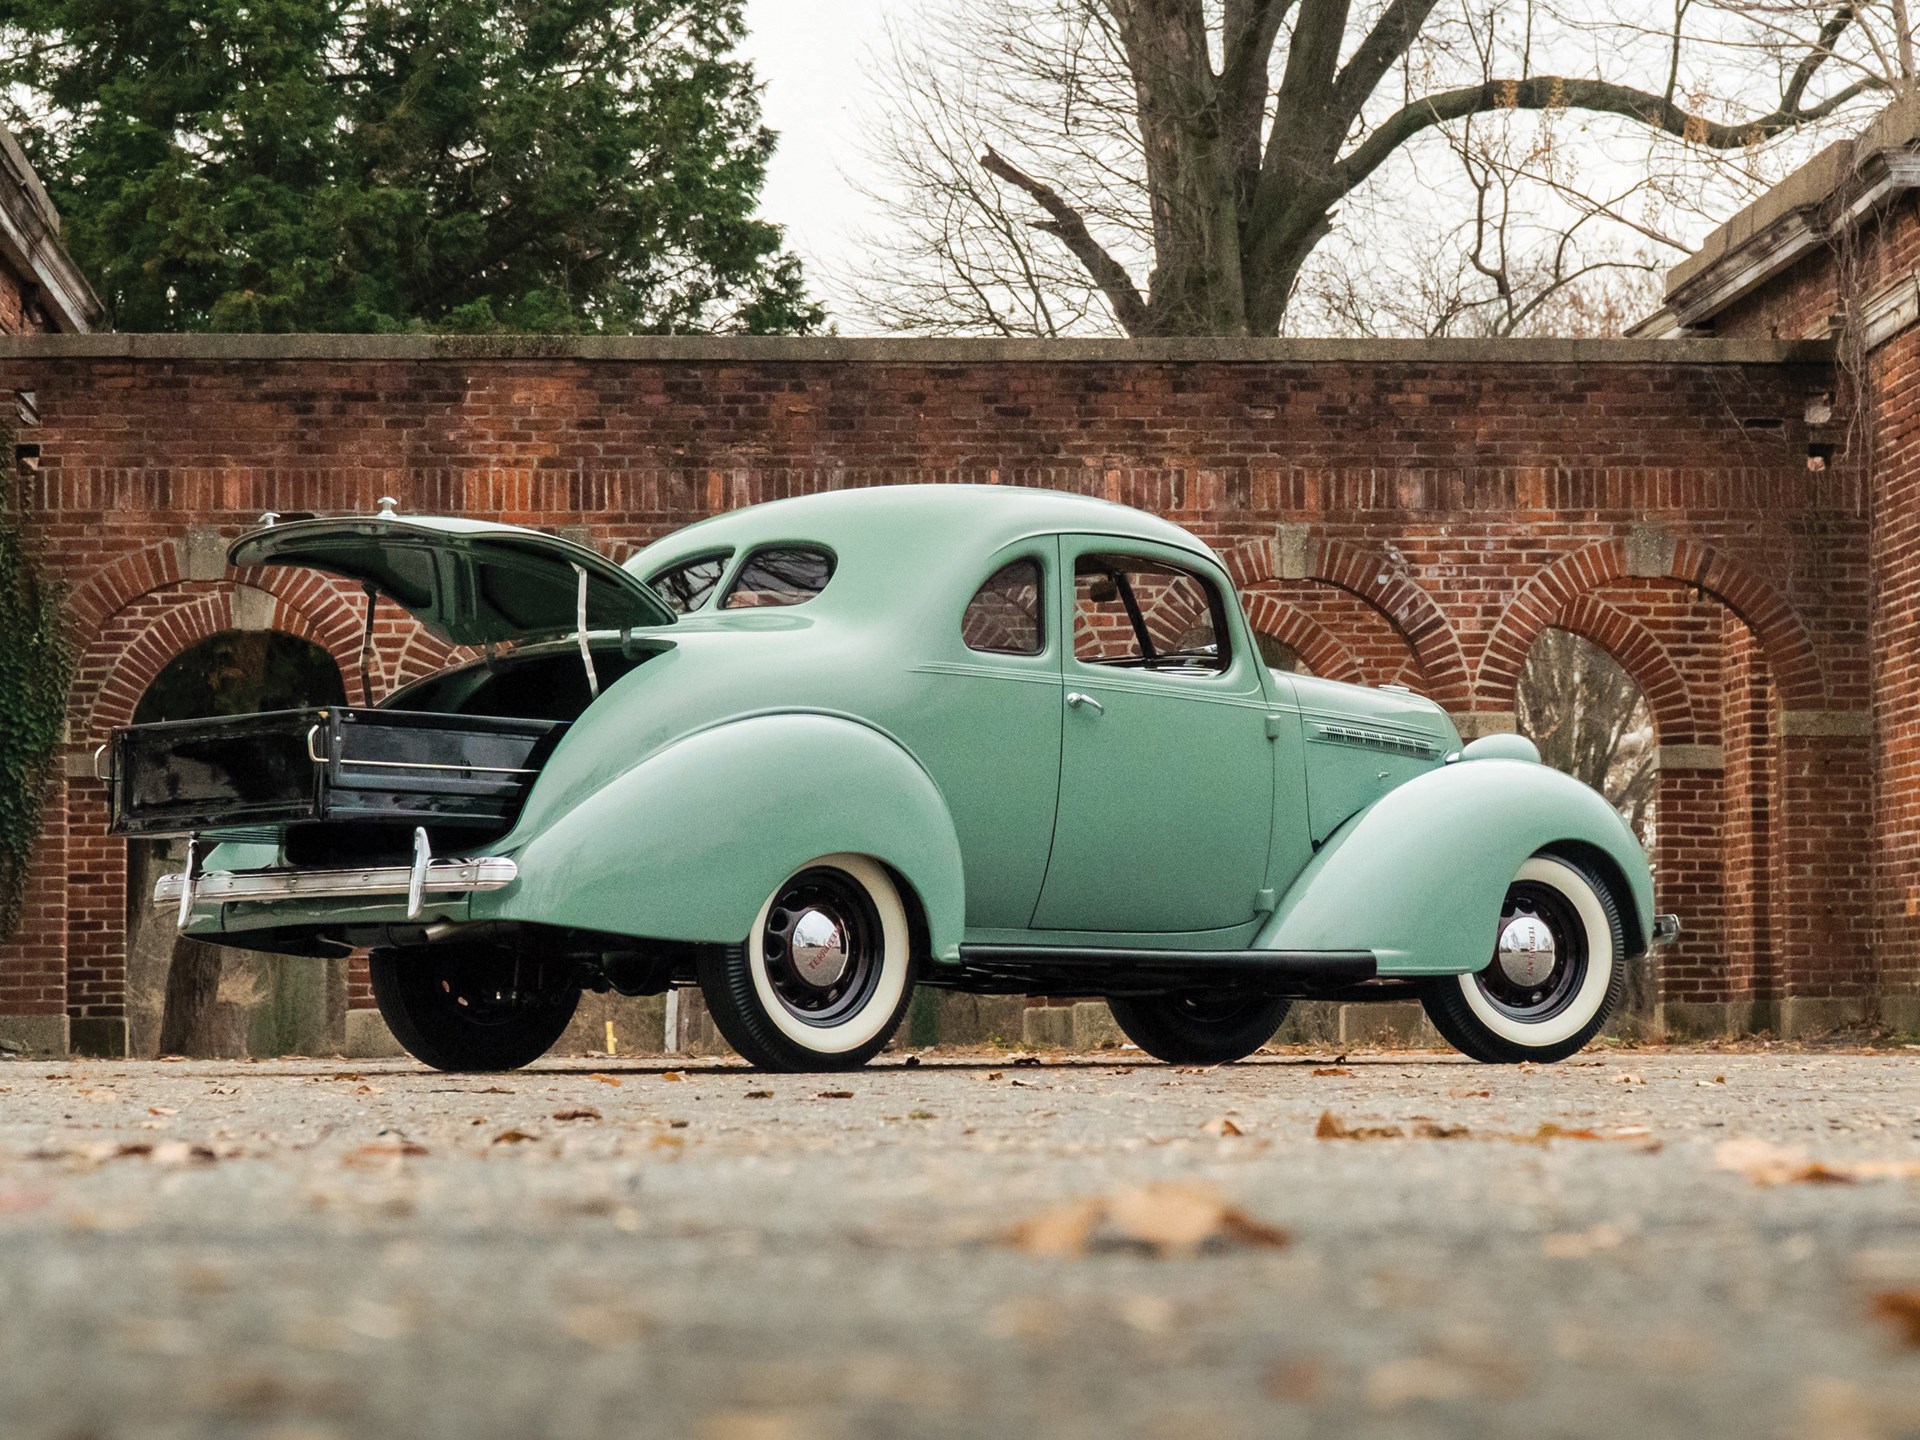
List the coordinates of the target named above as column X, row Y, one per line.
column 1199, row 1029
column 458, row 1007
column 1558, row 971
column 825, row 975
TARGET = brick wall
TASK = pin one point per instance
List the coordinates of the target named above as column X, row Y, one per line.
column 1406, row 512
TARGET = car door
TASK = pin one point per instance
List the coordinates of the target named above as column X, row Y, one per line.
column 1166, row 772
column 985, row 721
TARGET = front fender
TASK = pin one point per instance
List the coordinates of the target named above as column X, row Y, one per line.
column 1418, row 877
column 689, row 843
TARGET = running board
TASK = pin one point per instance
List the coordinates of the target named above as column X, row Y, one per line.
column 1079, row 969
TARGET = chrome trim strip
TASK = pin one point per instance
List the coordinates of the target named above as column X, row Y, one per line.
column 492, row 872
column 1375, row 740
column 347, row 762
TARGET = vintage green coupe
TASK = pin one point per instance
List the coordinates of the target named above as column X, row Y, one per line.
column 812, row 753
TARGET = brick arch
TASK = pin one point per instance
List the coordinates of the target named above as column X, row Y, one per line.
column 130, row 658
column 111, row 590
column 424, row 654
column 1783, row 638
column 1640, row 653
column 1321, row 651
column 1371, row 576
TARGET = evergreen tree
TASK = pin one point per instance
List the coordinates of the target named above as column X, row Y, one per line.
column 531, row 165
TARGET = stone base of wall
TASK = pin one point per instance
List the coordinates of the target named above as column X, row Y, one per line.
column 38, row 1037
column 1901, row 1013
column 104, row 1038
column 368, row 1037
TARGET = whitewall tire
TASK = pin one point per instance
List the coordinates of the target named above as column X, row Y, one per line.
column 1557, row 973
column 825, row 974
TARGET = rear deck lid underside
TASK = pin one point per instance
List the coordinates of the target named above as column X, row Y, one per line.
column 466, row 581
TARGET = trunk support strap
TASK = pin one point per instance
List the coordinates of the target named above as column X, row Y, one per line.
column 366, row 648
column 586, row 650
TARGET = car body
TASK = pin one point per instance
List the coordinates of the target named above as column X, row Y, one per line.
column 1042, row 718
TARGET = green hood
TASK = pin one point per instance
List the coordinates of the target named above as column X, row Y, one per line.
column 467, row 581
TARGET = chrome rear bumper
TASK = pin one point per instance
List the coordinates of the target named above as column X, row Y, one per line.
column 441, row 877
column 1666, row 929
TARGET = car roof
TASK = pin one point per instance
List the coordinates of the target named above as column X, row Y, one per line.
column 909, row 523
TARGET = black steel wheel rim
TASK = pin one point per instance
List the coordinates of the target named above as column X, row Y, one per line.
column 1547, row 997
column 1217, row 1008
column 816, row 994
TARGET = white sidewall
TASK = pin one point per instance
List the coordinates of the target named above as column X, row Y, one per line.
column 864, row 1024
column 1602, row 958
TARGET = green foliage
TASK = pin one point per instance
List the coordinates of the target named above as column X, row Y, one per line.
column 373, row 165
column 35, row 665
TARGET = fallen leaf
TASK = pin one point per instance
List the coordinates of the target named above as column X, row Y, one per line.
column 585, row 1113
column 1468, row 1094
column 995, row 1075
column 346, row 1075
column 911, row 1061
column 1027, row 1060
column 835, row 1095
column 1223, row 1127
column 382, row 1152
column 514, row 1137
column 163, row 1110
column 1433, row 1130
column 759, row 1094
column 677, row 1124
column 1332, row 1127
column 1767, row 1164
column 1164, row 1219
column 674, row 1075
column 1901, row 1309
column 921, row 1115
column 1627, row 1078
column 1333, row 1070
column 598, row 1078
column 1024, row 1084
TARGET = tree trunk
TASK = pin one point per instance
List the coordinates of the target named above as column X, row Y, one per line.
column 189, row 1023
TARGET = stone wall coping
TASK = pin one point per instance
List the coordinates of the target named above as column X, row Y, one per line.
column 904, row 350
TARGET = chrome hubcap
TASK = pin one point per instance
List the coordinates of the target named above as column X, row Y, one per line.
column 819, row 949
column 1527, row 953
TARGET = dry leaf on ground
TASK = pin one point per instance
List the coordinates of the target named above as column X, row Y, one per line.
column 674, row 1075
column 1223, row 1127
column 835, row 1095
column 1765, row 1163
column 1164, row 1219
column 759, row 1094
column 1901, row 1309
column 598, row 1078
column 1332, row 1127
column 585, row 1113
column 1333, row 1070
column 514, row 1137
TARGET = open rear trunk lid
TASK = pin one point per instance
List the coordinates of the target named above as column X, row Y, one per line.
column 469, row 582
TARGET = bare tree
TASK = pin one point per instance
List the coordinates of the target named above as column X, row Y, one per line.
column 1589, row 719
column 1168, row 167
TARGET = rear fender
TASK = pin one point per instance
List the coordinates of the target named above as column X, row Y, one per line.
column 689, row 843
column 1418, row 877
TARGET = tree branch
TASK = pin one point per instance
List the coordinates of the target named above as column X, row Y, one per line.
column 1554, row 92
column 1067, row 225
column 1821, row 52
column 1387, row 42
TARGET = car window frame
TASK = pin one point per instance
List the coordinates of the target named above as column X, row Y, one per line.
column 1220, row 608
column 1039, row 559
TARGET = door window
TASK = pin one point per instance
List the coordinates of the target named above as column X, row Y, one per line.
column 1004, row 617
column 1143, row 614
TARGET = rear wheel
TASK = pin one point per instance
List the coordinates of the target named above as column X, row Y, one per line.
column 458, row 1007
column 825, row 975
column 1558, row 971
column 1199, row 1029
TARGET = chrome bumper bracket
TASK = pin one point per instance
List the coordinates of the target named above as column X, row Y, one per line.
column 1666, row 929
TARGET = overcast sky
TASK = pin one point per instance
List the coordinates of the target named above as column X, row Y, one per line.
column 811, row 55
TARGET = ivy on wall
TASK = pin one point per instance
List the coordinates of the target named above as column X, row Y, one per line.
column 36, row 665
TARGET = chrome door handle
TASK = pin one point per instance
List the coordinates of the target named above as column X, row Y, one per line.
column 1076, row 699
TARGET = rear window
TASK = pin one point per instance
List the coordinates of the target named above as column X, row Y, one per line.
column 779, row 575
column 689, row 585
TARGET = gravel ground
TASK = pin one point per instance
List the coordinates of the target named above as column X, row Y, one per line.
column 966, row 1246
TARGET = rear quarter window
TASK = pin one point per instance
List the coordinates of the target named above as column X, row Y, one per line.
column 779, row 575
column 688, row 585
